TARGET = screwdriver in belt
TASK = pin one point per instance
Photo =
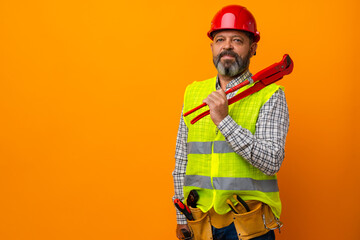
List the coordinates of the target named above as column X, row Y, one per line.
column 184, row 209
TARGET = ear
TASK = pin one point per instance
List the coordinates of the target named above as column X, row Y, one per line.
column 211, row 45
column 253, row 48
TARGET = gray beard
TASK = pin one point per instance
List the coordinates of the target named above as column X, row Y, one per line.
column 231, row 68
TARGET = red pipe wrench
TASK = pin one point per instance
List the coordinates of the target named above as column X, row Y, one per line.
column 263, row 78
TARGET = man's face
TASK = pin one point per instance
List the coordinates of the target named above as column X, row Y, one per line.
column 232, row 51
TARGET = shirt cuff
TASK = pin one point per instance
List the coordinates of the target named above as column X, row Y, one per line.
column 227, row 126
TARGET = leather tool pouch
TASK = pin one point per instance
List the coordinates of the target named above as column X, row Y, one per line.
column 255, row 223
column 201, row 226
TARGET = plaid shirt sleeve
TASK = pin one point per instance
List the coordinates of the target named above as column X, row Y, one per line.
column 265, row 149
column 180, row 167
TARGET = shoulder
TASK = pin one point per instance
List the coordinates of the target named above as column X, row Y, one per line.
column 279, row 93
column 277, row 99
column 268, row 91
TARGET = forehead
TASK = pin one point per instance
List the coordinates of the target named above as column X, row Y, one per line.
column 230, row 33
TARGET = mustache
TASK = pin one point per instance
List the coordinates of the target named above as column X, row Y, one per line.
column 228, row 53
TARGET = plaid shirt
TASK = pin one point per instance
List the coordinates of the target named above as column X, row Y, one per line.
column 264, row 150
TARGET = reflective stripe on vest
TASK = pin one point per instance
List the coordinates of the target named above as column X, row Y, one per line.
column 205, row 147
column 224, row 183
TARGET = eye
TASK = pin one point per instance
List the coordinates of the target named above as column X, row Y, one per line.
column 238, row 40
column 219, row 40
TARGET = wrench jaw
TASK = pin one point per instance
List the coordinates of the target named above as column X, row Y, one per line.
column 283, row 67
column 280, row 69
column 289, row 64
column 288, row 60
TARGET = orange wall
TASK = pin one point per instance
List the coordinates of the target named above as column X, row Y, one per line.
column 90, row 99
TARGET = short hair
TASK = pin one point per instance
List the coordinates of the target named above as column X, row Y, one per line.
column 250, row 35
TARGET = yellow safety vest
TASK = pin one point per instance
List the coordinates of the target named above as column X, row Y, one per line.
column 213, row 168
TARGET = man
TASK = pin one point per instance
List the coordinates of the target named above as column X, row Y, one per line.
column 238, row 149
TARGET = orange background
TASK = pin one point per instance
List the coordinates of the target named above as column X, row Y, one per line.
column 90, row 100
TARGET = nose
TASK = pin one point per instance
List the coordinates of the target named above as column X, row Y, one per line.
column 228, row 45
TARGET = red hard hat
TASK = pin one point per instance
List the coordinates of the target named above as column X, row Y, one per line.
column 234, row 17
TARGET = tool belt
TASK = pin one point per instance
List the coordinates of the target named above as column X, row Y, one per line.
column 201, row 226
column 258, row 221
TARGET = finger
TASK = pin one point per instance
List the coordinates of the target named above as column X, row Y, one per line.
column 214, row 96
column 218, row 98
column 209, row 100
column 220, row 93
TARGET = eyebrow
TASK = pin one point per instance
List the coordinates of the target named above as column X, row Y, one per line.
column 232, row 36
column 238, row 36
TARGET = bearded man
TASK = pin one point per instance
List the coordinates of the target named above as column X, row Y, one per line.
column 230, row 158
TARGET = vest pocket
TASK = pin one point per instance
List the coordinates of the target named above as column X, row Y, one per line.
column 201, row 226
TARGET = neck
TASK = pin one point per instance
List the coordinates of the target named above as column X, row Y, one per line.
column 224, row 80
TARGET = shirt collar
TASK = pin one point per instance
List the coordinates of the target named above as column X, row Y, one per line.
column 235, row 81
